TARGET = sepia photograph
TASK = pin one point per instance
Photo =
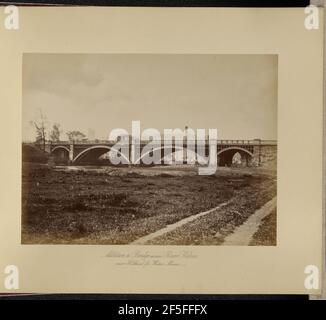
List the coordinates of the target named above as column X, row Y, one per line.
column 97, row 167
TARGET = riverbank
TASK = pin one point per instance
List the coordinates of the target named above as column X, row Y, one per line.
column 106, row 205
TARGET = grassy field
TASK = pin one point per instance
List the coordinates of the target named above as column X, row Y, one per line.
column 109, row 205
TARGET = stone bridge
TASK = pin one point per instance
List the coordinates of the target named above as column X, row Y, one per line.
column 247, row 152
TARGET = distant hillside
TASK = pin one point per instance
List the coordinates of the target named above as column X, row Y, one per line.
column 33, row 154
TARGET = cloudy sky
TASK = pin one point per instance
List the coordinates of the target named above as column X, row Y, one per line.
column 236, row 94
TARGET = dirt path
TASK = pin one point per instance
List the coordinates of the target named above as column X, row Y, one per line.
column 243, row 234
column 173, row 226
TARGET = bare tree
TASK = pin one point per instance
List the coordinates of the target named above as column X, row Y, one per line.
column 75, row 135
column 55, row 132
column 40, row 127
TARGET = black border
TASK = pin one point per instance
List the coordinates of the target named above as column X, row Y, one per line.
column 166, row 3
column 158, row 298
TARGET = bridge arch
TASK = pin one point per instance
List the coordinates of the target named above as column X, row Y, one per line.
column 60, row 147
column 236, row 150
column 99, row 150
column 61, row 154
column 225, row 156
column 173, row 150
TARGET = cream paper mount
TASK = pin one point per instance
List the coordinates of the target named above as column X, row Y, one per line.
column 73, row 221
